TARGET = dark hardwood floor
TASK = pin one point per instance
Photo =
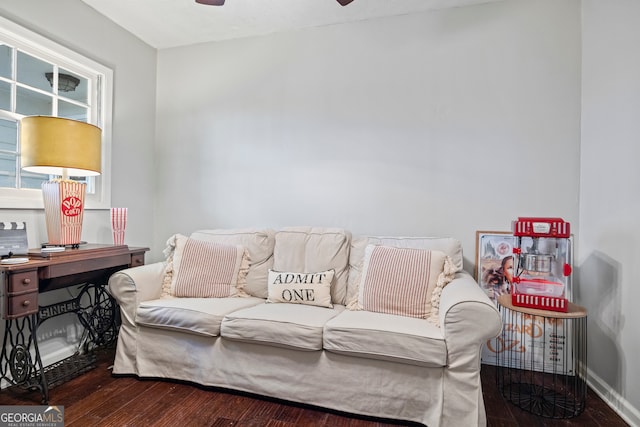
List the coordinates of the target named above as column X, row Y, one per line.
column 97, row 398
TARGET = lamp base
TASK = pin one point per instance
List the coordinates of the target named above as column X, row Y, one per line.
column 63, row 210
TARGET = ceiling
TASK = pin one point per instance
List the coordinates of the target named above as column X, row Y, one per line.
column 171, row 23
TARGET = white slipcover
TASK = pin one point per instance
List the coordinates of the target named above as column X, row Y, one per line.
column 359, row 362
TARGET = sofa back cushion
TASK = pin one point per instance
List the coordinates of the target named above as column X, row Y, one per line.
column 309, row 249
column 259, row 243
column 451, row 247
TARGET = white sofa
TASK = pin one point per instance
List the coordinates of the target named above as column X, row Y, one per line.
column 356, row 361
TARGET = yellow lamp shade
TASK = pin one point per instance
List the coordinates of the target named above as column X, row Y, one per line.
column 59, row 146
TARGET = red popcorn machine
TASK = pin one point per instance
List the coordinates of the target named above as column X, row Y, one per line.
column 542, row 269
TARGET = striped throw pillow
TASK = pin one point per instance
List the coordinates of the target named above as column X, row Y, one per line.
column 403, row 281
column 205, row 269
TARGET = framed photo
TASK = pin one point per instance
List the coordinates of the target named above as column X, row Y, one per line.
column 494, row 262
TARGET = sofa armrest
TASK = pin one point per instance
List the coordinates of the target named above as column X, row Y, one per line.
column 131, row 286
column 468, row 319
column 466, row 309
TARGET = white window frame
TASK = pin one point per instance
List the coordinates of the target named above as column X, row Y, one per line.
column 48, row 50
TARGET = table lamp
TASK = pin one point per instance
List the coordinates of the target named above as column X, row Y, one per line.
column 62, row 147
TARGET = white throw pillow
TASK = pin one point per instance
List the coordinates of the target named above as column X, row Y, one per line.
column 301, row 288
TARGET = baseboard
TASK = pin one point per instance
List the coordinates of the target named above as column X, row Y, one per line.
column 618, row 403
column 51, row 351
column 51, row 354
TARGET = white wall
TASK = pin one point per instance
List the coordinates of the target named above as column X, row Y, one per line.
column 76, row 26
column 440, row 123
column 436, row 124
column 609, row 272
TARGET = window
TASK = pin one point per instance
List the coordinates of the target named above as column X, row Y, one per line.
column 40, row 77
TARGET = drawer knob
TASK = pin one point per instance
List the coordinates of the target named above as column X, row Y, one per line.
column 26, row 303
column 26, row 281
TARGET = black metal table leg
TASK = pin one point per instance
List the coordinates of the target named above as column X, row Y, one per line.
column 17, row 365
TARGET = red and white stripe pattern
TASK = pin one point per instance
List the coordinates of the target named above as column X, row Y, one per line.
column 64, row 209
column 540, row 302
column 206, row 270
column 397, row 282
column 118, row 224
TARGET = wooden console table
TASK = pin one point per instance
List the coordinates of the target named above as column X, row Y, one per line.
column 89, row 266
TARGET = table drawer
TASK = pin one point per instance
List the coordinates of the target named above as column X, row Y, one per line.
column 137, row 260
column 23, row 282
column 21, row 305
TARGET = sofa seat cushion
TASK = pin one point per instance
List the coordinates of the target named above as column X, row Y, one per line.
column 294, row 326
column 200, row 316
column 386, row 337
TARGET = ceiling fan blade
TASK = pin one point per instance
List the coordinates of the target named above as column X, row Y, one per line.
column 211, row 2
column 221, row 2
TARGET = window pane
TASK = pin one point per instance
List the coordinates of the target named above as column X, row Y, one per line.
column 71, row 111
column 7, row 170
column 32, row 72
column 72, row 86
column 5, row 96
column 32, row 180
column 8, row 135
column 32, row 103
column 5, row 61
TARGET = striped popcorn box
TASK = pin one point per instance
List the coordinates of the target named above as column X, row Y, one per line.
column 64, row 208
column 118, row 224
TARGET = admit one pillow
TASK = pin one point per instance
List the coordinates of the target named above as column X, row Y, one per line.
column 301, row 288
column 201, row 269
